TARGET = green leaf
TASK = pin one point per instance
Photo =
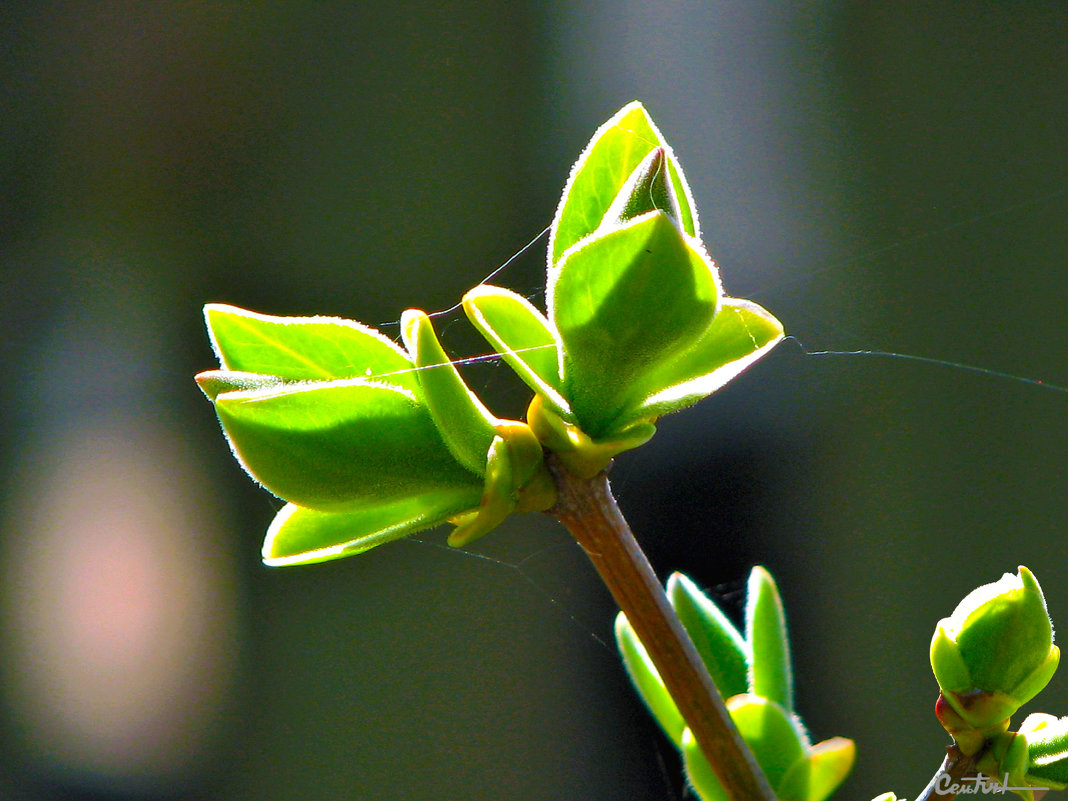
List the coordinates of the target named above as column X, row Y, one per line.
column 740, row 334
column 719, row 643
column 301, row 536
column 612, row 155
column 770, row 674
column 772, row 734
column 818, row 775
column 305, row 348
column 1047, row 750
column 523, row 337
column 215, row 382
column 463, row 422
column 340, row 445
column 774, row 737
column 621, row 303
column 647, row 680
column 702, row 778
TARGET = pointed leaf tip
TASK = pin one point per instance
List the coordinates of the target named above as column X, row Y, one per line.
column 648, row 188
column 720, row 644
column 770, row 672
column 611, row 156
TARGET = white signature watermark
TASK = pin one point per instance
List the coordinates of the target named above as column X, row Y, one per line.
column 977, row 785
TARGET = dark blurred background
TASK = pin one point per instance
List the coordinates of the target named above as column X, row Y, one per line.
column 881, row 176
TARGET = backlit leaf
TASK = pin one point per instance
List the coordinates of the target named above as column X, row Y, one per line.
column 338, row 446
column 305, row 348
column 621, row 303
column 302, row 536
column 615, row 150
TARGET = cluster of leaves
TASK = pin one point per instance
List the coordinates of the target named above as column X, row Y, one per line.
column 368, row 441
column 752, row 670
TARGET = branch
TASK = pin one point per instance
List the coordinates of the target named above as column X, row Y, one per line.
column 588, row 509
column 949, row 776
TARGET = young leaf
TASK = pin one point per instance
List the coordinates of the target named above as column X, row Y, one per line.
column 770, row 674
column 820, row 773
column 1045, row 757
column 463, row 422
column 621, row 303
column 612, row 155
column 771, row 733
column 305, row 348
column 719, row 643
column 740, row 334
column 302, row 536
column 702, row 778
column 645, row 677
column 523, row 337
column 340, row 445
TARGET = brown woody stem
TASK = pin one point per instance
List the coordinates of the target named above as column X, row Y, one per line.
column 945, row 784
column 588, row 509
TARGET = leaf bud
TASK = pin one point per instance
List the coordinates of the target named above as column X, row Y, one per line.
column 991, row 656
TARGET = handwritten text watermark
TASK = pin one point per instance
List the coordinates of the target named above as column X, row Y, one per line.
column 977, row 785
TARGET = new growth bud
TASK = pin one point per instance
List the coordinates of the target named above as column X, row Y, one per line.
column 991, row 656
column 648, row 189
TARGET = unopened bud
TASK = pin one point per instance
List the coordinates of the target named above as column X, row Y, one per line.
column 993, row 654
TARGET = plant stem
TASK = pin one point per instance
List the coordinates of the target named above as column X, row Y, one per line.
column 950, row 775
column 588, row 509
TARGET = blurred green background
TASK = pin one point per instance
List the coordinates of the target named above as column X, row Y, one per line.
column 881, row 176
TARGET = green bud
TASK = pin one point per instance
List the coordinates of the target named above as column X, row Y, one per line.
column 516, row 480
column 991, row 656
column 649, row 188
column 583, row 456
